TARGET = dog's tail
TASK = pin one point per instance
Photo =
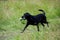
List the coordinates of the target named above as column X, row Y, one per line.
column 42, row 11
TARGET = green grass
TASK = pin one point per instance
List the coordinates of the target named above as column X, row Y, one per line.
column 11, row 26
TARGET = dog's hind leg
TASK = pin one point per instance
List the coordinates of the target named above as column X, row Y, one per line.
column 45, row 21
column 42, row 24
column 47, row 24
column 25, row 27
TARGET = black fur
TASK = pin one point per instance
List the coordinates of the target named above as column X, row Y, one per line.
column 35, row 20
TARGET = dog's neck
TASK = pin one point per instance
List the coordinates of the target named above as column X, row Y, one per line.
column 29, row 18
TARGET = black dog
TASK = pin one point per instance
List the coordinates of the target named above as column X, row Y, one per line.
column 35, row 20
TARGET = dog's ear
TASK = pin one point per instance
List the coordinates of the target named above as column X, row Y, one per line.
column 27, row 14
column 40, row 10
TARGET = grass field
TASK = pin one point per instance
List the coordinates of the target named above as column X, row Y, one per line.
column 11, row 26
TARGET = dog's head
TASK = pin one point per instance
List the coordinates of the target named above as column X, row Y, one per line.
column 25, row 16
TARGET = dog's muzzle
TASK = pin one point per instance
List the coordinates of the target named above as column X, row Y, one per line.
column 22, row 19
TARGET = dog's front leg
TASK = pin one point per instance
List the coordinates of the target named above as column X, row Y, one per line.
column 37, row 27
column 25, row 27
